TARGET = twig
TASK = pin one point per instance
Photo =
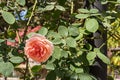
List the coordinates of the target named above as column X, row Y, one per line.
column 102, row 45
column 18, row 36
column 115, row 49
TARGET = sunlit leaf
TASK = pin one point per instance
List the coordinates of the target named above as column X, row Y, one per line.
column 74, row 77
column 16, row 59
column 50, row 66
column 21, row 2
column 8, row 17
column 57, row 41
column 57, row 52
column 63, row 31
column 49, row 7
column 2, row 40
column 103, row 58
column 73, row 31
column 6, row 68
column 91, row 25
column 91, row 55
column 79, row 70
column 61, row 8
column 94, row 11
column 64, row 54
column 52, row 34
column 83, row 10
column 43, row 31
column 71, row 42
column 84, row 76
column 82, row 16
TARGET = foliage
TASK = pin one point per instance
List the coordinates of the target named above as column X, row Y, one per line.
column 66, row 24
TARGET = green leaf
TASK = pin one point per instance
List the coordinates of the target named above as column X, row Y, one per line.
column 71, row 42
column 96, row 14
column 100, row 55
column 8, row 17
column 50, row 66
column 72, row 67
column 91, row 25
column 118, row 1
column 73, row 31
column 91, row 55
column 36, row 68
column 1, row 59
column 84, row 76
column 21, row 2
column 63, row 42
column 49, row 7
column 96, row 50
column 76, row 24
column 16, row 59
column 79, row 70
column 83, row 11
column 2, row 40
column 57, row 41
column 104, row 2
column 61, row 8
column 59, row 72
column 74, row 76
column 51, row 76
column 94, row 11
column 43, row 31
column 80, row 36
column 6, row 68
column 64, row 54
column 88, row 46
column 52, row 34
column 82, row 16
column 63, row 31
column 52, row 3
column 57, row 52
column 29, row 35
column 103, row 58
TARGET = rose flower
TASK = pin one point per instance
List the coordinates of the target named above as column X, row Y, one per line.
column 38, row 48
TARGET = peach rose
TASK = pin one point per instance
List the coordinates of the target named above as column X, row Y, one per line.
column 38, row 48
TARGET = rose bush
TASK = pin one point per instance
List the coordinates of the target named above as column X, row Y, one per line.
column 66, row 25
column 38, row 48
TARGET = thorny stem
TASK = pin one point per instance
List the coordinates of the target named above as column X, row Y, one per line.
column 26, row 69
column 29, row 20
column 27, row 62
column 29, row 68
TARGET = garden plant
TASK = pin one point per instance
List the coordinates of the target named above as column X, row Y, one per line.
column 56, row 39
